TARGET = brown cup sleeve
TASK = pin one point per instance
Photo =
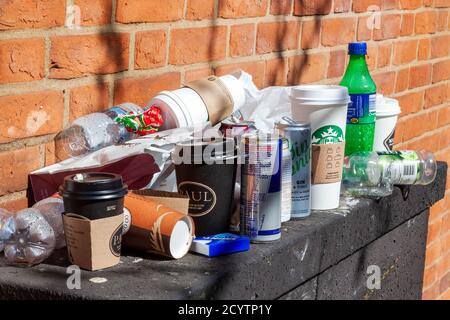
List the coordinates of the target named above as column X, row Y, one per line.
column 327, row 162
column 215, row 95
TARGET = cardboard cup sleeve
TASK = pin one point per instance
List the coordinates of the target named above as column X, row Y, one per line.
column 93, row 244
column 327, row 162
column 157, row 228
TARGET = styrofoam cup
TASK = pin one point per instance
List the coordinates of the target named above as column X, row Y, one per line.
column 322, row 106
column 387, row 111
column 185, row 108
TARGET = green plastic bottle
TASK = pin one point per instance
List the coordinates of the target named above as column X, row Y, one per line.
column 361, row 115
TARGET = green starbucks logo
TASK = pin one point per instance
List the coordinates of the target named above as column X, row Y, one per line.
column 327, row 135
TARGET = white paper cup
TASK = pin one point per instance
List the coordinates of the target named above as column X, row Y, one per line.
column 387, row 111
column 325, row 107
column 185, row 108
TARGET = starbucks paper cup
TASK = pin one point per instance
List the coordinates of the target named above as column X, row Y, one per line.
column 325, row 107
column 387, row 111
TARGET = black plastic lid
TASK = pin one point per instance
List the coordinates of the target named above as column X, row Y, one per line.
column 93, row 185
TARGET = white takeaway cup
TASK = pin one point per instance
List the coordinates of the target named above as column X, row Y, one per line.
column 387, row 111
column 184, row 107
column 325, row 107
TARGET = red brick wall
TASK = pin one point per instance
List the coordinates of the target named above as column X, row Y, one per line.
column 128, row 50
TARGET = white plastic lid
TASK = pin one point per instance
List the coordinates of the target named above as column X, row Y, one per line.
column 320, row 94
column 386, row 106
column 180, row 240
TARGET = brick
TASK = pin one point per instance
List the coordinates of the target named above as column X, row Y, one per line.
column 411, row 102
column 88, row 99
column 141, row 90
column 342, row 6
column 338, row 31
column 399, row 130
column 428, row 3
column 50, row 153
column 389, row 27
column 405, row 52
column 276, row 72
column 200, row 9
column 150, row 51
column 15, row 205
column 429, row 142
column 430, row 276
column 192, row 75
column 444, row 287
column 407, row 27
column 424, row 51
column 21, row 60
column 337, row 64
column 77, row 56
column 239, row 8
column 402, row 81
column 15, row 166
column 312, row 7
column 426, row 22
column 444, row 115
column 242, row 40
column 420, row 76
column 94, row 12
column 384, row 55
column 431, row 293
column 366, row 5
column 31, row 114
column 255, row 68
column 437, row 210
column 22, row 14
column 365, row 27
column 385, row 82
column 131, row 11
column 410, row 4
column 442, row 21
column 281, row 7
column 444, row 139
column 442, row 3
column 277, row 36
column 436, row 95
column 432, row 253
column 307, row 68
column 310, row 34
column 389, row 4
column 441, row 71
column 371, row 57
column 197, row 45
column 418, row 125
column 440, row 46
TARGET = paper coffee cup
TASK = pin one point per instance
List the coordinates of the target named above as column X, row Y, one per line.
column 325, row 107
column 157, row 228
column 387, row 111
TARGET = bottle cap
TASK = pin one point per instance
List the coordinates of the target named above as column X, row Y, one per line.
column 357, row 48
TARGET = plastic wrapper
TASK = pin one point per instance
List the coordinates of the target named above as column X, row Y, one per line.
column 32, row 238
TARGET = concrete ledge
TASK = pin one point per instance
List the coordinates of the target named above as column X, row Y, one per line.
column 324, row 256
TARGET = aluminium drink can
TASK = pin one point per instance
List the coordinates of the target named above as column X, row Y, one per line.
column 233, row 128
column 260, row 203
column 296, row 168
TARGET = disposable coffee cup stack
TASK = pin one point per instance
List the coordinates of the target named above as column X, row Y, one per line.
column 93, row 218
column 325, row 107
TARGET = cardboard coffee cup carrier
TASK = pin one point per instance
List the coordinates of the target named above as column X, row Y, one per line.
column 93, row 244
column 156, row 227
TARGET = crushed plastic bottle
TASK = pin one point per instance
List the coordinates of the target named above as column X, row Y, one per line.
column 52, row 209
column 96, row 130
column 374, row 174
column 5, row 232
column 32, row 239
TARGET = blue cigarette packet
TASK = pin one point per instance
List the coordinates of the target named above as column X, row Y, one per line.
column 220, row 244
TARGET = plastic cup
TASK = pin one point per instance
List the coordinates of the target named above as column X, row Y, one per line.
column 325, row 107
column 387, row 111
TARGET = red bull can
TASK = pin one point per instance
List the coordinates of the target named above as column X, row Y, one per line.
column 260, row 204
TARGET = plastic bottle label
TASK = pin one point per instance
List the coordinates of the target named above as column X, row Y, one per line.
column 362, row 109
column 404, row 168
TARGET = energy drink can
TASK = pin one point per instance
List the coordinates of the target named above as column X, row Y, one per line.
column 260, row 204
column 296, row 168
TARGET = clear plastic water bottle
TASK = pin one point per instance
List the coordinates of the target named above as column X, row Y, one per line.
column 52, row 209
column 96, row 130
column 5, row 231
column 374, row 174
column 31, row 238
